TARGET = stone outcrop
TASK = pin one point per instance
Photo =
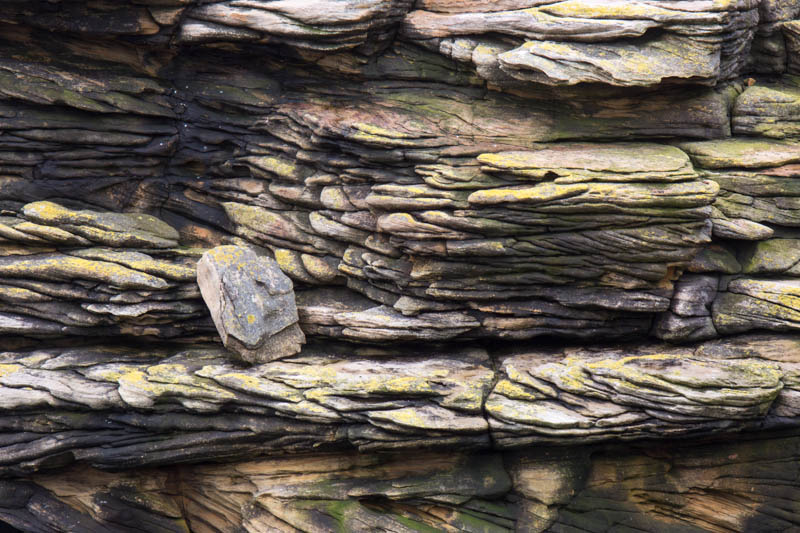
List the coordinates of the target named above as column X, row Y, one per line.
column 746, row 485
column 251, row 302
column 195, row 403
column 578, row 41
column 395, row 265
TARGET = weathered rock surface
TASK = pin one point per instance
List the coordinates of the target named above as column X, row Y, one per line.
column 66, row 272
column 745, row 485
column 113, row 407
column 584, row 41
column 545, row 253
column 251, row 302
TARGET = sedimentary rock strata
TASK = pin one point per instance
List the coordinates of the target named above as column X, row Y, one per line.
column 571, row 42
column 748, row 485
column 394, row 265
column 87, row 403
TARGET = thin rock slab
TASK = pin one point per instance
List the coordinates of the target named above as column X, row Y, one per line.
column 620, row 63
column 251, row 302
column 742, row 153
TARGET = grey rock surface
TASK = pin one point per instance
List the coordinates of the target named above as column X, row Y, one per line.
column 251, row 302
column 546, row 254
column 115, row 407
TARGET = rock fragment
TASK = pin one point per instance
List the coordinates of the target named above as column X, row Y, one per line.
column 251, row 302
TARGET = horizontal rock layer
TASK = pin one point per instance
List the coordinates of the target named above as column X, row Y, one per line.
column 745, row 485
column 115, row 407
column 544, row 253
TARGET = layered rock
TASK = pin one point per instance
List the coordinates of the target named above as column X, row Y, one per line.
column 755, row 203
column 769, row 110
column 113, row 407
column 68, row 272
column 746, row 485
column 544, row 253
column 571, row 42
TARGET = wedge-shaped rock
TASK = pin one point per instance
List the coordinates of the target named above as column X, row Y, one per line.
column 251, row 302
column 108, row 229
column 737, row 228
column 773, row 257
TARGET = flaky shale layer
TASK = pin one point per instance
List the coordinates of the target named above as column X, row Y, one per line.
column 399, row 266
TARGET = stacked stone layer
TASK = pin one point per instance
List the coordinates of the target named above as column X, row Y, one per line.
column 545, row 255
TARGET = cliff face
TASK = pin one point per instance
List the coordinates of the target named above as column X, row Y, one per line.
column 489, row 266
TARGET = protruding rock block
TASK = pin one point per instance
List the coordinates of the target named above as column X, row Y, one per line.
column 252, row 303
column 622, row 43
column 747, row 304
column 60, row 225
column 769, row 109
column 791, row 32
column 689, row 316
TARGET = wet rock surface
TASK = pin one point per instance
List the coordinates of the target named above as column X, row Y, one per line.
column 393, row 265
